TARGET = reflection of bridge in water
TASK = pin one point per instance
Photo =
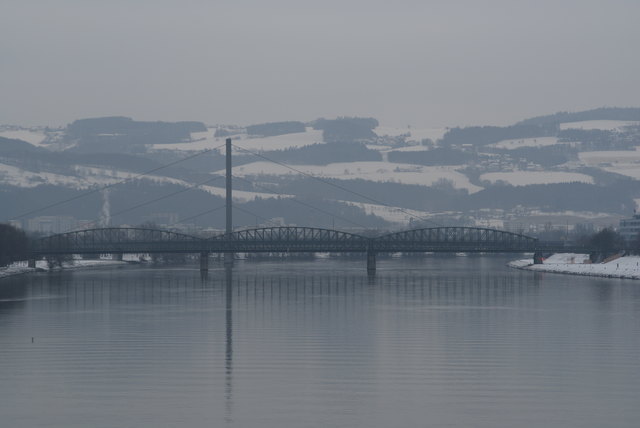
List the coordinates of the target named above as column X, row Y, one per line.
column 291, row 240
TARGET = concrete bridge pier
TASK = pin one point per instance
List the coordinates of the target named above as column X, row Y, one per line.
column 204, row 261
column 538, row 258
column 228, row 259
column 371, row 262
column 118, row 256
column 31, row 263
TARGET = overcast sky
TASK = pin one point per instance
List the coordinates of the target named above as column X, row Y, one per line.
column 422, row 63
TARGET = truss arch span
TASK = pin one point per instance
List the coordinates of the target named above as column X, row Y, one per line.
column 114, row 239
column 290, row 238
column 455, row 238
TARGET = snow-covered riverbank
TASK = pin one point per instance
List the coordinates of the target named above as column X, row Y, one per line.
column 20, row 268
column 623, row 267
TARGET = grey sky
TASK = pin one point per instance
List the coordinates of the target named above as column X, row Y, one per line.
column 424, row 63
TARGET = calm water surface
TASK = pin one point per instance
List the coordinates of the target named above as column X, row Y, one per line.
column 433, row 342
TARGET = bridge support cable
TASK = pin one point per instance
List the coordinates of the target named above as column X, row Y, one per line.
column 200, row 214
column 95, row 223
column 257, row 216
column 117, row 183
column 337, row 186
column 297, row 201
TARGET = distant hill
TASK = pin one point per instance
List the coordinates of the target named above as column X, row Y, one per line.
column 122, row 134
column 275, row 128
column 347, row 129
column 603, row 113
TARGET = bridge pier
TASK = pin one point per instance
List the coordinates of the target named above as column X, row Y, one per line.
column 538, row 258
column 204, row 261
column 31, row 263
column 371, row 262
column 117, row 256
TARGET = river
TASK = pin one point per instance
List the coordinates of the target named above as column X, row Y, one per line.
column 433, row 341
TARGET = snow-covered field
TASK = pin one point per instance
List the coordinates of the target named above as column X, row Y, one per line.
column 604, row 125
column 524, row 142
column 523, row 178
column 624, row 162
column 14, row 176
column 416, row 148
column 371, row 171
column 623, row 267
column 610, row 157
column 396, row 215
column 241, row 195
column 206, row 140
column 32, row 137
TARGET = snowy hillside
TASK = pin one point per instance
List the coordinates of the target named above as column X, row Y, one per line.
column 579, row 170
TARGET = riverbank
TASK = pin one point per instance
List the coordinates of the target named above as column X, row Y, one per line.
column 574, row 264
column 20, row 268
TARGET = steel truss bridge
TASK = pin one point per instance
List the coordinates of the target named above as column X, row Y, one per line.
column 290, row 239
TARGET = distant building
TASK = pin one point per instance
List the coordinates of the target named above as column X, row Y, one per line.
column 51, row 224
column 630, row 227
column 16, row 223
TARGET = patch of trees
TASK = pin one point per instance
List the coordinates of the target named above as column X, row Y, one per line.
column 307, row 211
column 437, row 198
column 545, row 156
column 560, row 196
column 597, row 139
column 14, row 244
column 275, row 128
column 483, row 135
column 123, row 134
column 437, row 156
column 346, row 129
column 11, row 147
column 604, row 113
column 326, row 153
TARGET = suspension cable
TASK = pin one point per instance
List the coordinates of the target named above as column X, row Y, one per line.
column 108, row 186
column 302, row 203
column 336, row 185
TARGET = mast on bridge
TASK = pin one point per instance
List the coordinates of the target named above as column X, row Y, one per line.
column 228, row 257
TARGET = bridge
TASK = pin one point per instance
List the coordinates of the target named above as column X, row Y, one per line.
column 122, row 240
column 126, row 240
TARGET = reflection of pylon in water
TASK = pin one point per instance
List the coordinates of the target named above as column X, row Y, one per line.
column 105, row 214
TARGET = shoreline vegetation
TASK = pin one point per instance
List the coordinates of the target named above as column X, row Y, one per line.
column 626, row 267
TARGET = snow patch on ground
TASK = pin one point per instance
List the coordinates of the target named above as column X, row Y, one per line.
column 524, row 142
column 241, row 195
column 14, row 176
column 623, row 162
column 569, row 263
column 523, row 178
column 416, row 134
column 396, row 215
column 32, row 137
column 604, row 125
column 612, row 157
column 417, row 148
column 206, row 140
column 371, row 171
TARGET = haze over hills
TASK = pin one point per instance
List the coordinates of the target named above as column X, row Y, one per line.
column 564, row 168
